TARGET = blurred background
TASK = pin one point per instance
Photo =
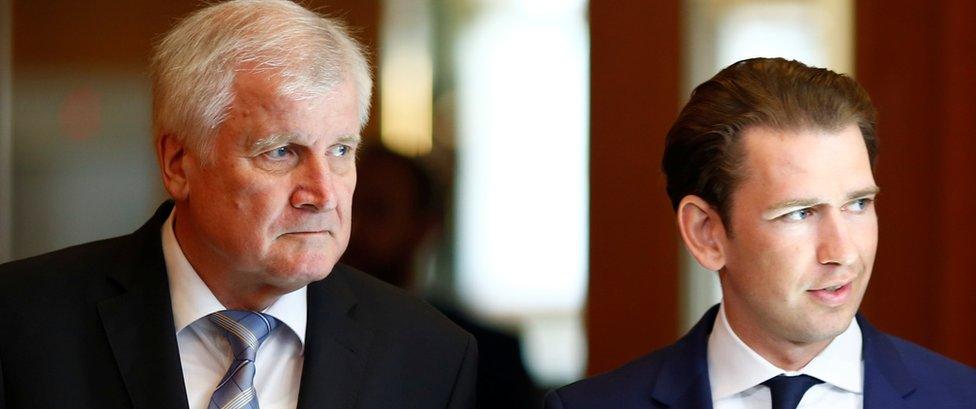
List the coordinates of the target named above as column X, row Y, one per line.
column 511, row 169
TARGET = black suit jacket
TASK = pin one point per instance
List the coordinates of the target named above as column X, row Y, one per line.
column 92, row 326
column 897, row 374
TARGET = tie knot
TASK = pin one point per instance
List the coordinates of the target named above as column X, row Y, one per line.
column 245, row 330
column 787, row 391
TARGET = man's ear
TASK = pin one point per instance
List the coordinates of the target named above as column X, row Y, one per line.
column 172, row 156
column 702, row 231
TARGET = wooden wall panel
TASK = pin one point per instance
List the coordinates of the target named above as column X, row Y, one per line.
column 918, row 62
column 957, row 326
column 633, row 290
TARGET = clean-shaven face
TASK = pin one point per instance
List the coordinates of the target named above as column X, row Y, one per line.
column 803, row 234
column 273, row 205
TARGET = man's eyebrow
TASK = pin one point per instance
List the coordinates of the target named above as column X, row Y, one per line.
column 268, row 142
column 870, row 191
column 805, row 202
column 811, row 202
column 351, row 139
column 275, row 140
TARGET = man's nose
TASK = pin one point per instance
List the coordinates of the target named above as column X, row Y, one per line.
column 314, row 187
column 836, row 245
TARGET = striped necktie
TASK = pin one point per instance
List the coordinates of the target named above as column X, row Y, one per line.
column 245, row 330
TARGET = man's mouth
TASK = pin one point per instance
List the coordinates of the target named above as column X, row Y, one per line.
column 832, row 288
column 832, row 295
column 308, row 233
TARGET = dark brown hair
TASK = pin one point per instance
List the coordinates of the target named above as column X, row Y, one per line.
column 702, row 154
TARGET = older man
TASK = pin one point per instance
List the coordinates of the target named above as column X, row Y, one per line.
column 769, row 168
column 231, row 295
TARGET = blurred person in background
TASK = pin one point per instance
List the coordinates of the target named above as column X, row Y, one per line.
column 230, row 296
column 400, row 212
column 769, row 168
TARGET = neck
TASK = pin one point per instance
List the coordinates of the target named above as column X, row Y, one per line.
column 785, row 354
column 237, row 297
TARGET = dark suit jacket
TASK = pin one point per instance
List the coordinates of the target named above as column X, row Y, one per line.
column 503, row 382
column 897, row 374
column 91, row 326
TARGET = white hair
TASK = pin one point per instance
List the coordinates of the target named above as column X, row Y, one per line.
column 195, row 64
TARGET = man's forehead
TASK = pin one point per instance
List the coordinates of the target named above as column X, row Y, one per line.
column 266, row 117
column 786, row 165
column 802, row 149
column 272, row 88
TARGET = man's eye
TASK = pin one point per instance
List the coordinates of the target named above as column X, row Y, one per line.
column 859, row 205
column 340, row 150
column 278, row 153
column 798, row 215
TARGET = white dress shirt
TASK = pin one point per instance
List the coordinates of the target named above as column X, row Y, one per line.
column 205, row 353
column 736, row 372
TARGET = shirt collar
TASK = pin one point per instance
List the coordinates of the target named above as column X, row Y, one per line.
column 840, row 363
column 733, row 367
column 192, row 299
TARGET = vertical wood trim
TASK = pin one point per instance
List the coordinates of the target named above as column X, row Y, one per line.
column 956, row 332
column 633, row 285
column 916, row 59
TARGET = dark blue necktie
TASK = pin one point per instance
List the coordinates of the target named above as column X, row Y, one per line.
column 788, row 390
column 245, row 330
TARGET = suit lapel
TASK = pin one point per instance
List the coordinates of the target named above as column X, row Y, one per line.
column 887, row 382
column 335, row 346
column 139, row 322
column 683, row 380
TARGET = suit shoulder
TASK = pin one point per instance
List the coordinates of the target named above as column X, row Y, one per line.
column 396, row 308
column 627, row 386
column 65, row 267
column 931, row 368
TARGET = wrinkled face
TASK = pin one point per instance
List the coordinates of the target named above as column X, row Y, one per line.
column 273, row 205
column 804, row 235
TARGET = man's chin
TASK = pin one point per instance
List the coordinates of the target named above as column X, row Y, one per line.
column 299, row 276
column 824, row 328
